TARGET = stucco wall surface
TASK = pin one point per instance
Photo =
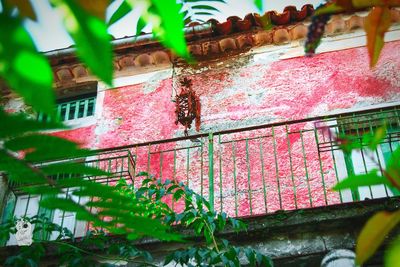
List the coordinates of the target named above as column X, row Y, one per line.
column 254, row 171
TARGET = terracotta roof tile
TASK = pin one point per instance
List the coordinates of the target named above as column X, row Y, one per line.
column 235, row 24
column 235, row 35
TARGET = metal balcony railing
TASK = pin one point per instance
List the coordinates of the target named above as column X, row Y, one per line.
column 119, row 163
column 258, row 170
column 279, row 166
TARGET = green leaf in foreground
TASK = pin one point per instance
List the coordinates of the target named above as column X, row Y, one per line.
column 373, row 234
column 141, row 23
column 70, row 206
column 378, row 137
column 259, row 4
column 376, row 25
column 72, row 168
column 393, row 168
column 17, row 124
column 195, row 1
column 392, row 254
column 18, row 170
column 330, row 8
column 41, row 147
column 121, row 12
column 205, row 7
column 170, row 30
column 93, row 43
column 24, row 69
column 355, row 181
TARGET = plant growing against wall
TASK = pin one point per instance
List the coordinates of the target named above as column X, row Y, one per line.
column 28, row 73
column 382, row 223
column 23, row 147
column 100, row 247
column 29, row 160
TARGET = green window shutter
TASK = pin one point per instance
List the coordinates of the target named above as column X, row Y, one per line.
column 72, row 110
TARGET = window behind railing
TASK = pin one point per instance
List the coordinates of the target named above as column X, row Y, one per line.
column 82, row 107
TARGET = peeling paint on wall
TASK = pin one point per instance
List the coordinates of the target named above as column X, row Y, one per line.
column 246, row 94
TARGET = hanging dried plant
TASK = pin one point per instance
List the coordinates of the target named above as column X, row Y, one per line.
column 188, row 107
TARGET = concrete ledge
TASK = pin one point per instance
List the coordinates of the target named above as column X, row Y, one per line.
column 291, row 238
column 301, row 237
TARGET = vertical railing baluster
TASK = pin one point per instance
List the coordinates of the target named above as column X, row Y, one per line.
column 108, row 170
column 220, row 171
column 234, row 176
column 174, row 173
column 276, row 167
column 148, row 160
column 291, row 165
column 211, row 170
column 27, row 205
column 174, row 177
column 378, row 158
column 122, row 166
column 391, row 128
column 161, row 163
column 263, row 175
column 321, row 168
column 128, row 166
column 334, row 163
column 63, row 212
column 201, row 169
column 248, row 176
column 348, row 160
column 135, row 158
column 361, row 150
column 76, row 221
column 305, row 167
column 187, row 166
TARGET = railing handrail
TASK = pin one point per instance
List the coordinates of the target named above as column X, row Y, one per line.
column 243, row 129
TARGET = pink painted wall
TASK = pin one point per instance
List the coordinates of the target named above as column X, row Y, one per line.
column 242, row 95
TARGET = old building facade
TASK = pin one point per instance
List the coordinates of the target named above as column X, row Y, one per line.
column 261, row 146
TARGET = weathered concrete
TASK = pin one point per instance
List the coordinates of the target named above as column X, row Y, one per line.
column 291, row 238
column 304, row 237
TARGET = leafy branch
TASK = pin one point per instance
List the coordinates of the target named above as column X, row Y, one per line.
column 382, row 223
column 196, row 216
